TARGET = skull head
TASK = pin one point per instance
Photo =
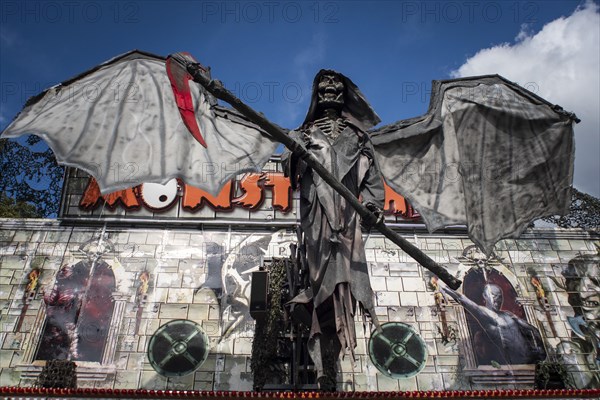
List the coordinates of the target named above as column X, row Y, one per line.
column 330, row 91
column 492, row 296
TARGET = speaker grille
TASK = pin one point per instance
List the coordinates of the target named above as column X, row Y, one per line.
column 258, row 294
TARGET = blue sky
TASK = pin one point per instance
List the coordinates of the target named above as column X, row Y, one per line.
column 268, row 51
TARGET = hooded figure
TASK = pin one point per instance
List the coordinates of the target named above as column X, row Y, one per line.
column 334, row 132
column 355, row 106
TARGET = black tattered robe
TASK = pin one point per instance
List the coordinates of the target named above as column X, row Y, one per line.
column 332, row 232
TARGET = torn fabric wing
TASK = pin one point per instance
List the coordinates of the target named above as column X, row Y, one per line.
column 488, row 154
column 120, row 123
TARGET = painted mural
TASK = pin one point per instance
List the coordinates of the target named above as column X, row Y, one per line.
column 98, row 296
column 29, row 294
column 79, row 308
column 500, row 333
column 581, row 351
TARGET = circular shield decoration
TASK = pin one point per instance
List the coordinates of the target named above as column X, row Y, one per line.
column 397, row 351
column 178, row 348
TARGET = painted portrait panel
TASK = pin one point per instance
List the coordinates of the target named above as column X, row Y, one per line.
column 499, row 330
column 79, row 311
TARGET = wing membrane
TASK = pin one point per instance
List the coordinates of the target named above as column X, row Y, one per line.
column 120, row 122
column 488, row 154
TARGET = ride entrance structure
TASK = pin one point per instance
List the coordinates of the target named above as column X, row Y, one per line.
column 363, row 307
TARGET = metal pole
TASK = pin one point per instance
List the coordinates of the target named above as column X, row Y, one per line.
column 217, row 89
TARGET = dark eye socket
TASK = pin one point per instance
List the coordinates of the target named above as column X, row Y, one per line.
column 330, row 78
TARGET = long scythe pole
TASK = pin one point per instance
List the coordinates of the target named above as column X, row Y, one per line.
column 217, row 89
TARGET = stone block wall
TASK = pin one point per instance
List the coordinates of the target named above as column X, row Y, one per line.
column 161, row 275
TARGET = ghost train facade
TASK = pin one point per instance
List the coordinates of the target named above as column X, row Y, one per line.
column 150, row 288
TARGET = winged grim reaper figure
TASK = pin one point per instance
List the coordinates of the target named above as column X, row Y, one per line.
column 488, row 154
column 335, row 133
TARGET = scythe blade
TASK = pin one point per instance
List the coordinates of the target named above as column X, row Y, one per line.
column 179, row 78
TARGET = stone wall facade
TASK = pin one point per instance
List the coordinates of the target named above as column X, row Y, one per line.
column 152, row 275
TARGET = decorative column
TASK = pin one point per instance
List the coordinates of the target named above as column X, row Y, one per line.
column 465, row 335
column 110, row 347
column 529, row 313
column 35, row 335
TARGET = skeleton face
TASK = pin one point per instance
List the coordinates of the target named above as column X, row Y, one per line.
column 492, row 295
column 330, row 91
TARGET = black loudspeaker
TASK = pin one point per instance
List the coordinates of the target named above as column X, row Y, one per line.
column 258, row 294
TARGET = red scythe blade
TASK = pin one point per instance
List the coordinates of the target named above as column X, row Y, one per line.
column 179, row 78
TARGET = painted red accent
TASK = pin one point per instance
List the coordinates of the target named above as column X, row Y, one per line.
column 92, row 196
column 396, row 204
column 479, row 394
column 282, row 190
column 252, row 187
column 180, row 84
column 193, row 198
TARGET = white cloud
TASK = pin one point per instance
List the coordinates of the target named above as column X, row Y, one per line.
column 8, row 38
column 561, row 63
column 310, row 56
column 303, row 66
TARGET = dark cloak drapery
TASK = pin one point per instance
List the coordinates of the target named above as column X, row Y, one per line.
column 332, row 233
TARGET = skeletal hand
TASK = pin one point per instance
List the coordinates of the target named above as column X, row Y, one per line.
column 377, row 213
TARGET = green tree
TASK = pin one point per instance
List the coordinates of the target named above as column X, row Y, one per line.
column 30, row 181
column 10, row 208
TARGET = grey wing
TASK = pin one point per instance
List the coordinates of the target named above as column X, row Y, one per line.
column 488, row 154
column 120, row 123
